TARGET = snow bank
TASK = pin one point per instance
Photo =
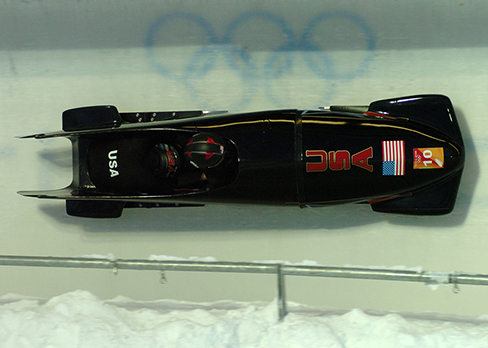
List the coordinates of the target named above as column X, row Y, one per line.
column 79, row 319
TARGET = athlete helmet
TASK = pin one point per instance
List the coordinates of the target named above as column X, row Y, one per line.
column 205, row 150
column 164, row 160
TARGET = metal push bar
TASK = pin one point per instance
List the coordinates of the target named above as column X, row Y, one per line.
column 280, row 269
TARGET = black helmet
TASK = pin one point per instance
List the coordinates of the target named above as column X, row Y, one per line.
column 164, row 160
column 205, row 150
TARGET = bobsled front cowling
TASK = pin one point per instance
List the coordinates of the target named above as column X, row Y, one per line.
column 369, row 159
column 322, row 158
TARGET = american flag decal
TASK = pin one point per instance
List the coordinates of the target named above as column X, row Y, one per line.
column 393, row 157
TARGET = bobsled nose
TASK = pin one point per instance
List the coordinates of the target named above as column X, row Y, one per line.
column 455, row 157
column 439, row 157
column 436, row 176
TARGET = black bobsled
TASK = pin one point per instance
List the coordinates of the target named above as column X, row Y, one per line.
column 401, row 155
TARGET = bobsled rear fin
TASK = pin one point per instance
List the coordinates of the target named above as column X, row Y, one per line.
column 437, row 200
column 91, row 117
column 114, row 208
column 94, row 209
column 433, row 110
column 63, row 193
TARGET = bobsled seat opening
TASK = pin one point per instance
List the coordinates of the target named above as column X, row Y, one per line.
column 132, row 166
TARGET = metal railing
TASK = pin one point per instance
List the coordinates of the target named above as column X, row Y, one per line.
column 280, row 269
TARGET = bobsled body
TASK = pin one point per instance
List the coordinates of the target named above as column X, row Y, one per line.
column 401, row 155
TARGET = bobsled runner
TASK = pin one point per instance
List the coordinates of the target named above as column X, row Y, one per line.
column 402, row 155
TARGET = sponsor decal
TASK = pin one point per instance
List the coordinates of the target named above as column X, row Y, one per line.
column 393, row 157
column 428, row 158
column 338, row 160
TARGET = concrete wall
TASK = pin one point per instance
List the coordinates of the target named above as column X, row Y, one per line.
column 238, row 55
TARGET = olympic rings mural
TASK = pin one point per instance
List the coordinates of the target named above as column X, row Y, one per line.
column 280, row 43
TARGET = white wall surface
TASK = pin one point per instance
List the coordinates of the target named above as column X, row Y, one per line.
column 238, row 55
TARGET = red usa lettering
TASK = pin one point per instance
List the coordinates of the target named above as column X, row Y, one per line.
column 338, row 160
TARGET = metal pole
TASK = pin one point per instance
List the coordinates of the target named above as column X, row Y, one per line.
column 281, row 292
column 427, row 277
column 82, row 262
column 249, row 267
column 354, row 272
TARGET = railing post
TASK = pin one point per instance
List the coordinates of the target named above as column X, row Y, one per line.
column 281, row 292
